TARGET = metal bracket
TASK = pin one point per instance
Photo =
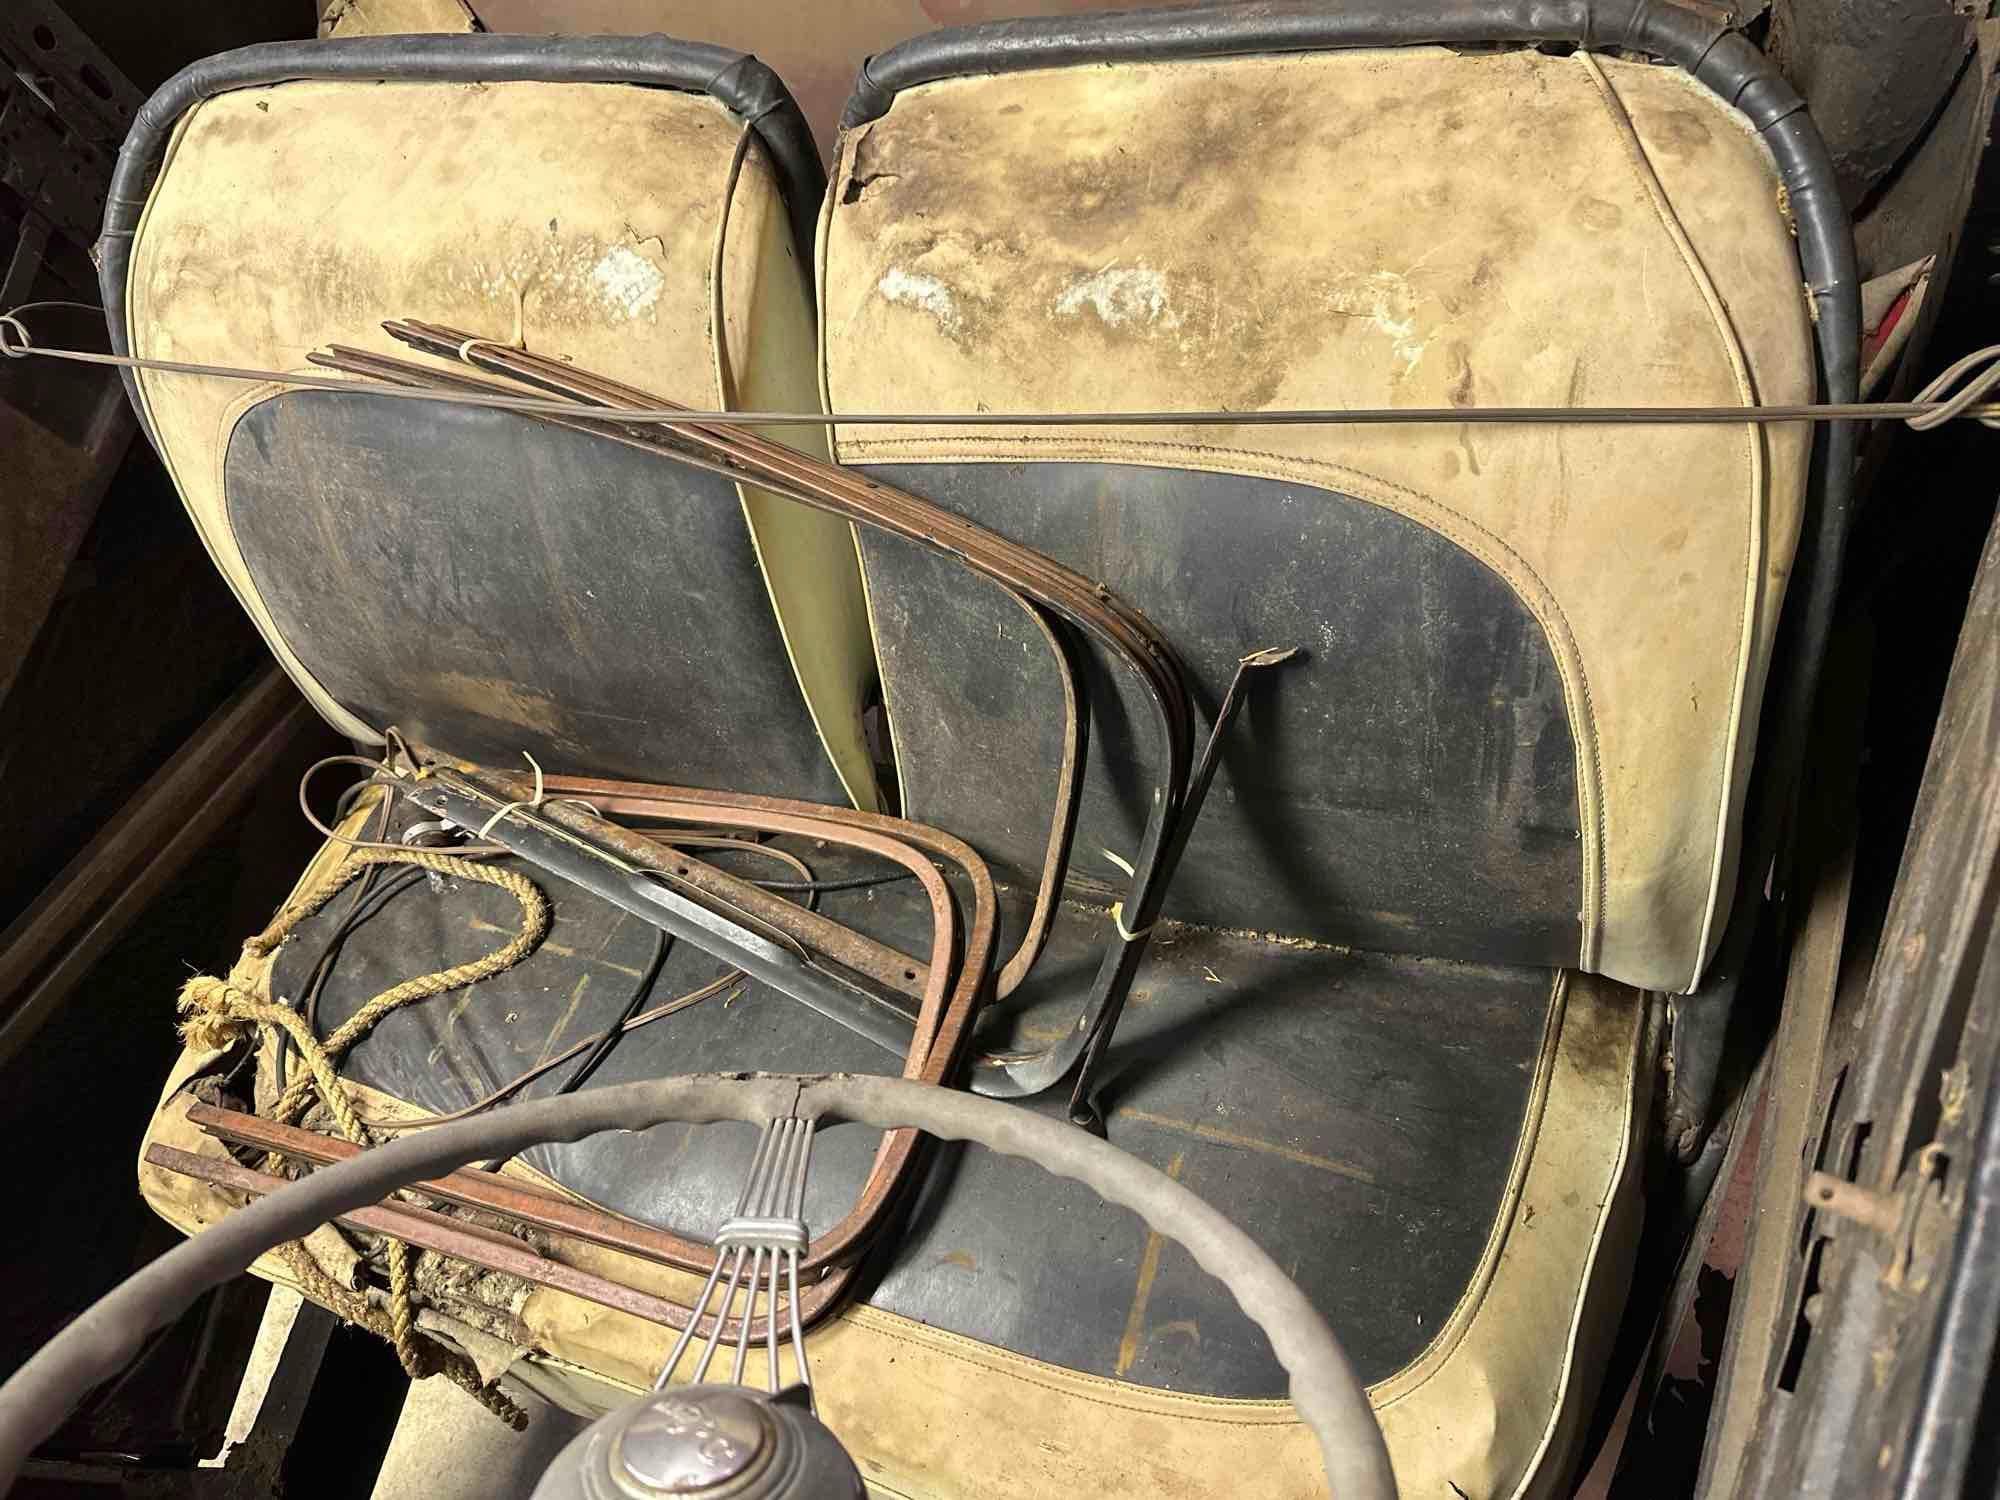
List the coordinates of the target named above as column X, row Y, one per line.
column 64, row 108
column 655, row 896
column 1892, row 1216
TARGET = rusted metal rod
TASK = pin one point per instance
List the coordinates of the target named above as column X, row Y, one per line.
column 428, row 1231
column 1083, row 1106
column 1078, row 602
column 481, row 1190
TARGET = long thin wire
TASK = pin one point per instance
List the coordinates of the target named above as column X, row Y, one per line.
column 608, row 1039
column 798, row 1212
column 765, row 1141
column 850, row 883
column 514, row 1085
column 378, row 774
column 329, row 953
column 14, row 313
column 18, row 345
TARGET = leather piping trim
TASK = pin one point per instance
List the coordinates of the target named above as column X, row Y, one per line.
column 1758, row 507
column 1451, row 1332
column 1413, row 505
column 1617, row 1204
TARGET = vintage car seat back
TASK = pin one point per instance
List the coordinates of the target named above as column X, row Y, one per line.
column 1532, row 655
column 1399, row 1033
column 487, row 583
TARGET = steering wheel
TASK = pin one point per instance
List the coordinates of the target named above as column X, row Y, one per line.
column 1323, row 1386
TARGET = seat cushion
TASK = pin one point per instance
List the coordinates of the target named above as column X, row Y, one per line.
column 1440, row 1153
column 493, row 583
column 1535, row 654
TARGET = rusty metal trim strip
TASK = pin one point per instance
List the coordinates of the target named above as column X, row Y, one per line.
column 483, row 1248
column 1069, row 798
column 481, row 1190
column 1089, row 607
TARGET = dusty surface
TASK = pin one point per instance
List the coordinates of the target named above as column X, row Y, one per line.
column 1410, row 228
column 449, row 1448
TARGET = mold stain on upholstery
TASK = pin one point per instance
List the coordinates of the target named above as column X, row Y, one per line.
column 1119, row 295
column 491, row 265
column 1130, row 210
column 925, row 293
column 628, row 282
column 1386, row 301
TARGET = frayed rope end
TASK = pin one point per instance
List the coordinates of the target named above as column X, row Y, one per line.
column 205, row 1019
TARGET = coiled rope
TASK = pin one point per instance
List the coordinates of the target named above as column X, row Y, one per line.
column 216, row 1013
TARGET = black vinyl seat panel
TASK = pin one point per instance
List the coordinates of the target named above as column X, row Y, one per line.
column 491, row 584
column 1408, row 783
column 1359, row 1112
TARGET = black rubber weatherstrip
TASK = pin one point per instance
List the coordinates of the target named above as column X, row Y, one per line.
column 1731, row 67
column 736, row 79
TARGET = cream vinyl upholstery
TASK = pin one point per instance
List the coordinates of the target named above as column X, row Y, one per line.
column 1490, row 1405
column 1421, row 228
column 293, row 216
column 1075, row 239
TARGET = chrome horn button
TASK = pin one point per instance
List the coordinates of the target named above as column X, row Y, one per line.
column 690, row 1442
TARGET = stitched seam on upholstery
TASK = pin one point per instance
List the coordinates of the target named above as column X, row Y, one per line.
column 1606, row 1210
column 1580, row 1281
column 1288, row 466
column 1437, row 1354
column 1654, row 191
column 1011, row 1366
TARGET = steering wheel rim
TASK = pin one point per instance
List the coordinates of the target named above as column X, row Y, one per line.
column 1324, row 1388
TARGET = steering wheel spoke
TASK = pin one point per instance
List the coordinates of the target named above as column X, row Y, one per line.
column 768, row 1226
column 761, row 1236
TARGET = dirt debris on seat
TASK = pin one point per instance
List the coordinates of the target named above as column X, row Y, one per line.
column 490, row 1301
column 1169, row 931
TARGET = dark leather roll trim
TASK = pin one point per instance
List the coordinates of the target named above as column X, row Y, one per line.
column 1726, row 62
column 736, row 79
column 1228, row 30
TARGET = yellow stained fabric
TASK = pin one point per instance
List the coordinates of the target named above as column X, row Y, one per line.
column 586, row 219
column 1391, row 228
